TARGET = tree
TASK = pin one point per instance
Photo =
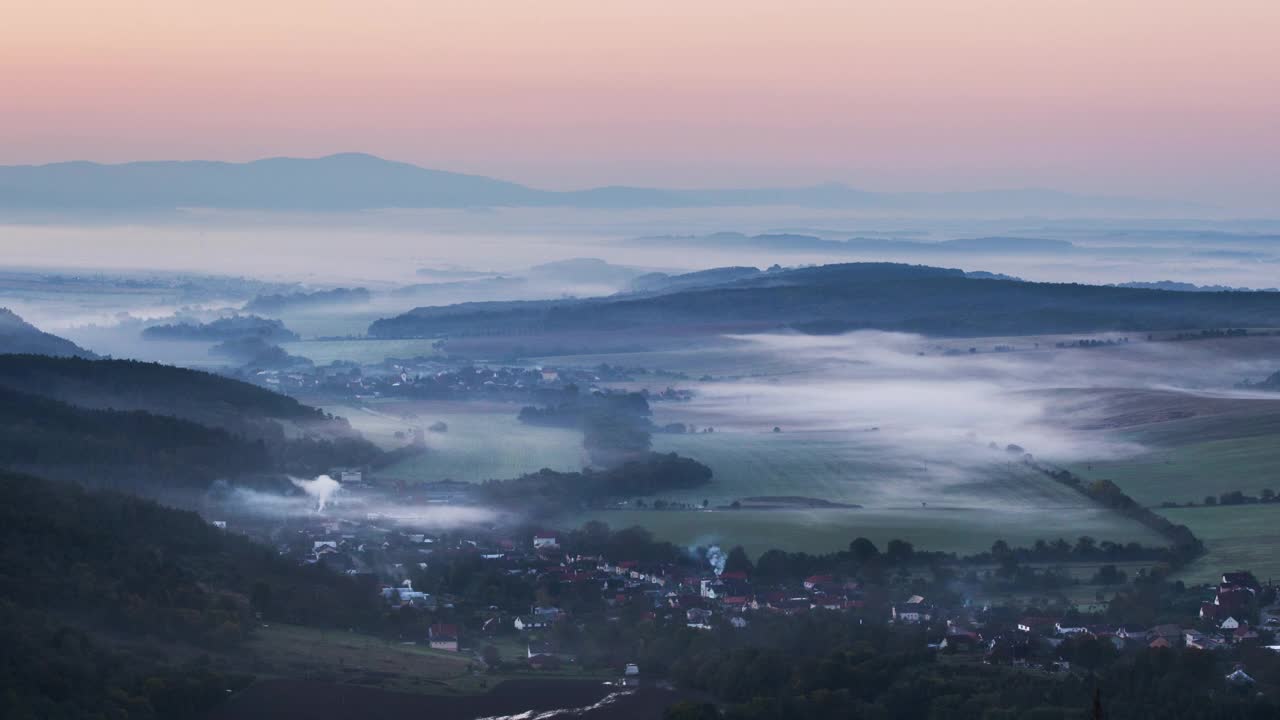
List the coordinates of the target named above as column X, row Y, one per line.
column 863, row 550
column 899, row 551
column 1210, row 500
column 999, row 549
column 738, row 561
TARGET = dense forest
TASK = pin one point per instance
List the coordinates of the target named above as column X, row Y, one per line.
column 141, row 425
column 837, row 298
column 222, row 329
column 551, row 491
column 20, row 336
column 82, row 571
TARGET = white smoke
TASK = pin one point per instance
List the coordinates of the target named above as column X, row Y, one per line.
column 323, row 488
column 716, row 559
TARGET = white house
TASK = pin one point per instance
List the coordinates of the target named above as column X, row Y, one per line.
column 545, row 541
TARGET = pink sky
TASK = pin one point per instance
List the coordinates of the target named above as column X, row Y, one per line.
column 1149, row 97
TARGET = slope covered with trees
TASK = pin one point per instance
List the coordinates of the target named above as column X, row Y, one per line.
column 88, row 579
column 836, row 298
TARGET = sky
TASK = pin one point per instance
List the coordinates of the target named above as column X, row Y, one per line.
column 1158, row 98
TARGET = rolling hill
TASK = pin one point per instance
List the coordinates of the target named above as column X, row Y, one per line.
column 837, row 298
column 19, row 336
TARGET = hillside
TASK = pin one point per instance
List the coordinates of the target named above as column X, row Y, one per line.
column 836, row 298
column 19, row 336
column 150, row 425
column 92, row 583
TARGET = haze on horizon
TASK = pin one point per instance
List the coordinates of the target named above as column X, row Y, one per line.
column 1135, row 97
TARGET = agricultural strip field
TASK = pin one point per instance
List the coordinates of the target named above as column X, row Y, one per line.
column 1237, row 537
column 934, row 507
column 1188, row 473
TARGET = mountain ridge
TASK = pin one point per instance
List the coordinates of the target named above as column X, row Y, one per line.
column 359, row 181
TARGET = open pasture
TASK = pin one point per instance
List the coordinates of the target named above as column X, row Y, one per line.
column 1237, row 537
column 484, row 441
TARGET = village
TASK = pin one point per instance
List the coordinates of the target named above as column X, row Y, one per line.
column 446, row 586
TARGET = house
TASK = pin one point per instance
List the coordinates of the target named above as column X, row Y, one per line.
column 1229, row 624
column 1233, row 598
column 1069, row 629
column 351, row 477
column 531, row 622
column 1239, row 678
column 220, row 524
column 631, row 675
column 1244, row 633
column 1135, row 633
column 443, row 637
column 548, row 541
column 913, row 611
column 814, row 581
column 1200, row 641
column 1170, row 634
column 1241, row 578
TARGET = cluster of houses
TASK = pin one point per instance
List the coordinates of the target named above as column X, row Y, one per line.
column 427, row 377
column 705, row 599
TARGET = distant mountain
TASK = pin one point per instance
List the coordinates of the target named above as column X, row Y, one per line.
column 837, row 298
column 19, row 336
column 1190, row 287
column 791, row 242
column 355, row 181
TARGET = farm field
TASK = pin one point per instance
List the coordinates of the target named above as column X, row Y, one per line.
column 933, row 507
column 484, row 440
column 1187, row 473
column 294, row 651
column 1235, row 537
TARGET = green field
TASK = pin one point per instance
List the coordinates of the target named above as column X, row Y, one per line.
column 938, row 507
column 1238, row 537
column 484, row 440
column 294, row 651
column 1187, row 473
column 282, row 650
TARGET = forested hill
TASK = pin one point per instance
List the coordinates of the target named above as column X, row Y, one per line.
column 150, row 427
column 20, row 336
column 80, row 570
column 153, row 387
column 836, row 298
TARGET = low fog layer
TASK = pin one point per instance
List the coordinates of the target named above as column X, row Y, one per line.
column 920, row 418
column 324, row 497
